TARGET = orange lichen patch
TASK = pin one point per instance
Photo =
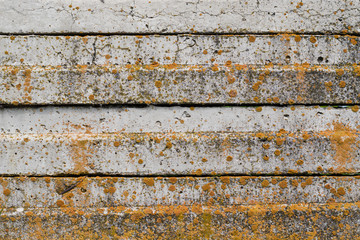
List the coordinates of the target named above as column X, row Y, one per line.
column 266, row 158
column 229, row 158
column 116, row 144
column 291, row 171
column 215, row 68
column 110, row 190
column 266, row 146
column 306, row 136
column 107, row 56
column 232, row 93
column 252, row 38
column 91, row 97
column 158, row 84
column 225, row 180
column 297, row 38
column 140, row 161
column 353, row 41
column 277, row 152
column 328, row 85
column 312, row 39
column 258, row 109
column 342, row 84
column 205, row 52
column 265, row 183
column 171, row 66
column 82, row 68
column 256, row 85
column 343, row 142
column 149, row 181
column 279, row 141
column 204, row 160
column 294, row 183
column 206, row 187
column 319, row 169
column 274, row 181
column 339, row 72
column 6, row 192
column 355, row 108
column 173, row 180
column 60, row 203
column 356, row 69
column 84, row 39
column 261, row 135
column 168, row 144
column 309, row 181
column 341, row 191
column 243, row 180
column 283, row 184
column 300, row 162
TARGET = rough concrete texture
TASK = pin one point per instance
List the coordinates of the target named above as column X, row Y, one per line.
column 276, row 69
column 182, row 207
column 168, row 16
column 179, row 140
column 159, row 119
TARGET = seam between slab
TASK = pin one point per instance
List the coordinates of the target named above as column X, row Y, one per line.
column 180, row 33
column 259, row 175
column 203, row 105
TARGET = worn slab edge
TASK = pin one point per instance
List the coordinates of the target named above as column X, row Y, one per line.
column 293, row 221
column 179, row 140
column 169, row 16
column 277, row 69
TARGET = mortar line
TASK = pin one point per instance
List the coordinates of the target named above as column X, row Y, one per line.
column 97, row 175
column 181, row 33
column 199, row 105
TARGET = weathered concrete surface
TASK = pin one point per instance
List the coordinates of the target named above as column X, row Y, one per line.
column 192, row 208
column 168, row 16
column 179, row 140
column 294, row 221
column 278, row 69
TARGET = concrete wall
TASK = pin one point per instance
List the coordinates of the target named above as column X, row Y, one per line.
column 179, row 119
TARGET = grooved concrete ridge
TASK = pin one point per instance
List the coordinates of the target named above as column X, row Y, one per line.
column 165, row 119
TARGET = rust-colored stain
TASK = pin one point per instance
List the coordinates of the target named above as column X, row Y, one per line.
column 343, row 141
